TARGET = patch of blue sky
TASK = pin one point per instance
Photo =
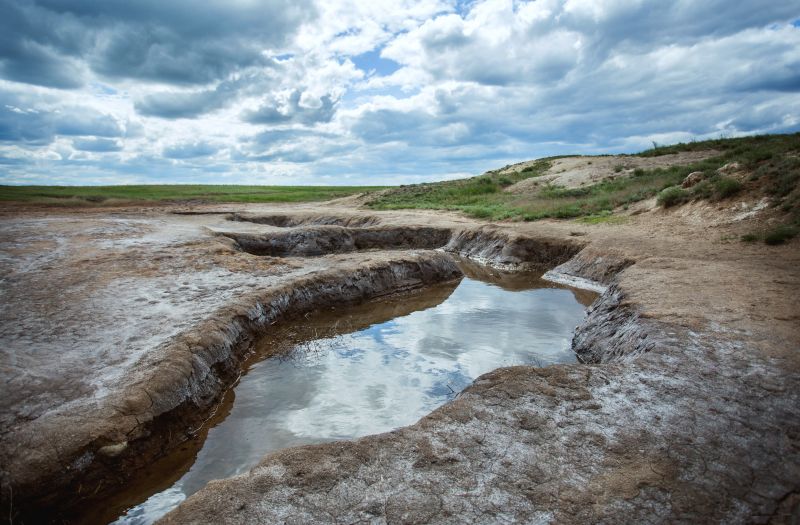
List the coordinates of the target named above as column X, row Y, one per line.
column 463, row 7
column 373, row 63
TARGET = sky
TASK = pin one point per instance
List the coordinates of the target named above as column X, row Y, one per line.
column 355, row 92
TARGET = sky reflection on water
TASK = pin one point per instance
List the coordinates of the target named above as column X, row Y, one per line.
column 377, row 367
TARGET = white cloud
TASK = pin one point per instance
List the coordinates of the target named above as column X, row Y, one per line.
column 217, row 97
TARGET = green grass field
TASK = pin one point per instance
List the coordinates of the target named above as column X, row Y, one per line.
column 104, row 195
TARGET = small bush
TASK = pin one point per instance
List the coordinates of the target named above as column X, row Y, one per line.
column 638, row 172
column 672, row 196
column 703, row 190
column 618, row 168
column 750, row 237
column 725, row 187
column 780, row 234
column 95, row 198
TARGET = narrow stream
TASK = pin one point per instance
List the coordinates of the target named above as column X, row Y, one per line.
column 362, row 370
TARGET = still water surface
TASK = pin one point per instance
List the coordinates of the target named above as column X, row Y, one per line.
column 371, row 368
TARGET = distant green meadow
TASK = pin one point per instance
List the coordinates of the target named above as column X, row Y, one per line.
column 99, row 195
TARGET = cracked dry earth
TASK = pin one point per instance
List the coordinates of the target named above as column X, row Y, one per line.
column 685, row 407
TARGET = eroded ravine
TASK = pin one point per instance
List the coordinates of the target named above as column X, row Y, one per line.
column 342, row 374
column 683, row 409
column 664, row 421
column 176, row 387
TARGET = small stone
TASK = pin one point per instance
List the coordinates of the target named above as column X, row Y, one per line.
column 692, row 179
column 730, row 168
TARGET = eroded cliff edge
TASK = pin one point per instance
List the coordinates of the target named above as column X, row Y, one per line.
column 683, row 411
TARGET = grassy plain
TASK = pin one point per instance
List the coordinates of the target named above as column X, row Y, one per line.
column 103, row 195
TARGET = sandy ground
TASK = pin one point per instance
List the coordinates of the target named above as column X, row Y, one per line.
column 573, row 172
column 91, row 297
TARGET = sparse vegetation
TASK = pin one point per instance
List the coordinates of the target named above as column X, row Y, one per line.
column 750, row 237
column 726, row 187
column 480, row 197
column 605, row 217
column 672, row 196
column 776, row 235
column 773, row 160
column 109, row 195
column 780, row 234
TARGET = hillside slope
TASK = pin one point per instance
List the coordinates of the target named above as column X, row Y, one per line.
column 728, row 172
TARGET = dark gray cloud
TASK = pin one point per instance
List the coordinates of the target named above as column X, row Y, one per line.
column 193, row 103
column 291, row 111
column 51, row 42
column 40, row 47
column 22, row 119
column 386, row 125
column 179, row 104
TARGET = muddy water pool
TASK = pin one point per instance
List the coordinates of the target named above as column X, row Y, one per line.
column 349, row 372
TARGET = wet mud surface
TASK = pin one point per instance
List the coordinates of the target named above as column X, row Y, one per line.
column 123, row 328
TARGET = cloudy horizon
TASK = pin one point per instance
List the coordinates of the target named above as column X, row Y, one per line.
column 347, row 92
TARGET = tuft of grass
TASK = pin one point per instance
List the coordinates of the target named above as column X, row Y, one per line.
column 605, row 217
column 672, row 196
column 750, row 237
column 725, row 187
column 780, row 234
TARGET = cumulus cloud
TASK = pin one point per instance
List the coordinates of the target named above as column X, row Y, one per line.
column 293, row 107
column 38, row 120
column 274, row 91
column 175, row 42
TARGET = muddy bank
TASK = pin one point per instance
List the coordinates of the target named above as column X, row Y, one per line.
column 361, row 370
column 168, row 391
column 674, row 426
column 320, row 240
column 308, row 219
column 487, row 245
column 510, row 250
column 171, row 392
